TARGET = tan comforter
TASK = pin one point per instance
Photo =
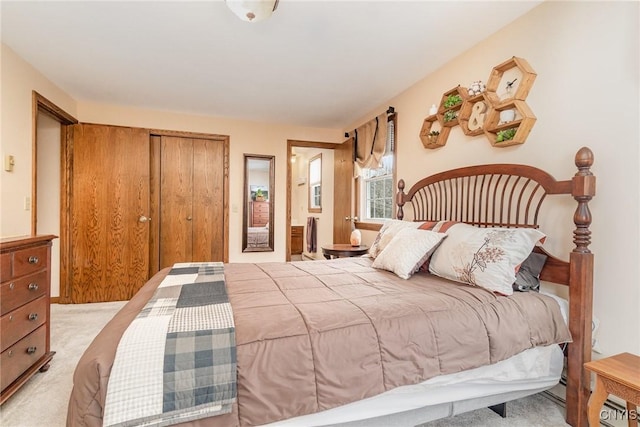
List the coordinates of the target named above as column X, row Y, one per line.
column 315, row 335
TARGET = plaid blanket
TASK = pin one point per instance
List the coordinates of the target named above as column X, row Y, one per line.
column 176, row 362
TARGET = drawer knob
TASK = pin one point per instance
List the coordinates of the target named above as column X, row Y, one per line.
column 33, row 286
column 11, row 286
column 11, row 318
column 10, row 353
column 33, row 259
column 31, row 350
column 33, row 316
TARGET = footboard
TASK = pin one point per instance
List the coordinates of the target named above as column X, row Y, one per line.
column 511, row 195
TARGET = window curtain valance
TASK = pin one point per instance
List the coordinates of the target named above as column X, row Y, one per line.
column 370, row 142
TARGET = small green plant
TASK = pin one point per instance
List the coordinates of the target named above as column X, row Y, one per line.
column 505, row 135
column 452, row 100
column 450, row 115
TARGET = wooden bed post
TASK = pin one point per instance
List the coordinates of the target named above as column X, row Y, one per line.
column 400, row 199
column 580, row 293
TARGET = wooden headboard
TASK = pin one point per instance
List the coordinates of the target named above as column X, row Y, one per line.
column 511, row 195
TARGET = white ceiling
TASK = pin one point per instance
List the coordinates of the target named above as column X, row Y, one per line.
column 313, row 63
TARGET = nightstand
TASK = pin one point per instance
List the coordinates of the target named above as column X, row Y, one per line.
column 619, row 375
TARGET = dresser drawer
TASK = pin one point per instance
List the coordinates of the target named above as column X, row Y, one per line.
column 29, row 260
column 18, row 292
column 5, row 267
column 21, row 322
column 261, row 207
column 20, row 356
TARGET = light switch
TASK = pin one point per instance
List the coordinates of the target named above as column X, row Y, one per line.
column 27, row 203
column 9, row 162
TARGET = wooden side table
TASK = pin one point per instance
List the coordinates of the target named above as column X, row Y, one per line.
column 343, row 250
column 619, row 375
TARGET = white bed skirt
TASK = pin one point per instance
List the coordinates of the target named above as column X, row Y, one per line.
column 526, row 373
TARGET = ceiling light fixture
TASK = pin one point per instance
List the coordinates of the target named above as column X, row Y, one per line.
column 252, row 10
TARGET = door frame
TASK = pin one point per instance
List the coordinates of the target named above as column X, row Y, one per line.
column 40, row 104
column 290, row 144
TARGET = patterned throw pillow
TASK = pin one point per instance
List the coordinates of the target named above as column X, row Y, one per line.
column 407, row 251
column 485, row 257
column 388, row 231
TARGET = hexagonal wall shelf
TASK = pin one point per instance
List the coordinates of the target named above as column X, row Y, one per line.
column 525, row 76
column 433, row 141
column 448, row 115
column 522, row 121
column 471, row 117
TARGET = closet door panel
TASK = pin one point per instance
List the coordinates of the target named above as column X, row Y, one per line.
column 208, row 209
column 176, row 189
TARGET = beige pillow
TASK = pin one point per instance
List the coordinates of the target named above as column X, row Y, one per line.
column 407, row 251
column 485, row 257
column 388, row 231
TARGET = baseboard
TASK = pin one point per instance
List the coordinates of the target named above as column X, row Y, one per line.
column 561, row 401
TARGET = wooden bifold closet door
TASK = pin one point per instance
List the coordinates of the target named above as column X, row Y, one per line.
column 141, row 202
column 189, row 199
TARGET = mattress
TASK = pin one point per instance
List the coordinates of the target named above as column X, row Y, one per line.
column 525, row 373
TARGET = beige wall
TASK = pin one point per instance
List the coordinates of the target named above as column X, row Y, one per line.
column 586, row 93
column 48, row 198
column 17, row 81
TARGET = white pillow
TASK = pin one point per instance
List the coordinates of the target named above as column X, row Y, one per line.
column 407, row 251
column 387, row 232
column 486, row 257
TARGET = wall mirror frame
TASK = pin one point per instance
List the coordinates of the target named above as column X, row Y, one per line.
column 259, row 196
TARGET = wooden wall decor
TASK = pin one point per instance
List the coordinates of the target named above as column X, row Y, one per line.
column 502, row 116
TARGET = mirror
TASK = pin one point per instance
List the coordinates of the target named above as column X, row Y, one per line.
column 257, row 223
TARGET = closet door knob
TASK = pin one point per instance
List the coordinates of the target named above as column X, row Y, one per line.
column 189, row 218
column 144, row 218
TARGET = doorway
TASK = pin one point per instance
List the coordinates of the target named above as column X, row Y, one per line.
column 52, row 131
column 339, row 185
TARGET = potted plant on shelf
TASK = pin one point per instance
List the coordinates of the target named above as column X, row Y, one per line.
column 450, row 115
column 433, row 136
column 452, row 101
column 259, row 195
column 506, row 135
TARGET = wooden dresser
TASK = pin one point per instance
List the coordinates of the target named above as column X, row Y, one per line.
column 24, row 310
column 259, row 214
column 296, row 239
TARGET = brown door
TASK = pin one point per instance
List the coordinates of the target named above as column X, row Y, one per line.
column 191, row 223
column 343, row 192
column 109, row 247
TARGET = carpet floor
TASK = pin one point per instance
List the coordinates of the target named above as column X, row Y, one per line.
column 43, row 400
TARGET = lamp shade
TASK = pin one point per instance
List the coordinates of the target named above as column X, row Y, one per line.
column 252, row 10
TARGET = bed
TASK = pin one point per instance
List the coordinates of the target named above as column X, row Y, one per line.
column 337, row 342
column 258, row 237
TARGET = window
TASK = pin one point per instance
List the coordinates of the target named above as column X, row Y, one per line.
column 376, row 186
column 315, row 184
column 378, row 191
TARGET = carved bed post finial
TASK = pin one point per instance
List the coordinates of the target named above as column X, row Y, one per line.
column 400, row 199
column 584, row 188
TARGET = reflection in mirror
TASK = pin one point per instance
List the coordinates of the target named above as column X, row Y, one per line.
column 257, row 229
